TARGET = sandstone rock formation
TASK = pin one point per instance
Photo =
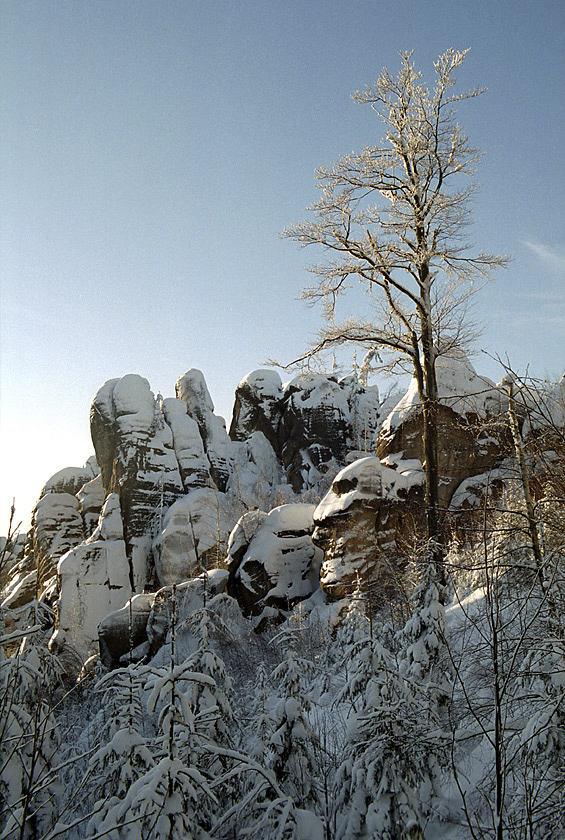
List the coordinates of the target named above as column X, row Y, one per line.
column 173, row 484
column 71, row 479
column 272, row 560
column 123, row 633
column 134, row 447
column 57, row 526
column 193, row 537
column 311, row 423
column 191, row 388
column 91, row 499
column 258, row 406
column 94, row 578
column 361, row 522
column 472, row 428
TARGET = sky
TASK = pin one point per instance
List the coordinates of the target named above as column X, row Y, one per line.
column 152, row 152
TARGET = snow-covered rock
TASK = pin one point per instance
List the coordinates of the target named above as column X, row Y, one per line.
column 311, row 422
column 189, row 449
column 258, row 406
column 191, row 388
column 91, row 498
column 322, row 420
column 459, row 388
column 57, row 526
column 124, row 631
column 94, row 579
column 472, row 428
column 272, row 559
column 21, row 591
column 256, row 472
column 194, row 536
column 359, row 523
column 134, row 447
column 71, row 479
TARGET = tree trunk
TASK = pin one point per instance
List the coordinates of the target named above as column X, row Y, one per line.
column 430, row 404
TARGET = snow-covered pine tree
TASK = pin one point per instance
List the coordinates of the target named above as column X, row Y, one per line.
column 378, row 785
column 355, row 638
column 388, row 781
column 210, row 700
column 125, row 753
column 292, row 738
column 30, row 682
column 260, row 717
column 425, row 660
column 537, row 752
column 172, row 799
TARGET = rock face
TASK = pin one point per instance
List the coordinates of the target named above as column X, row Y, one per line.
column 258, row 407
column 134, row 447
column 123, row 633
column 360, row 522
column 272, row 560
column 172, row 485
column 311, row 423
column 71, row 479
column 193, row 538
column 194, row 466
column 91, row 499
column 192, row 390
column 101, row 566
column 472, row 429
column 57, row 526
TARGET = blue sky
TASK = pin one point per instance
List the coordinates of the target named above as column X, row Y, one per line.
column 152, row 152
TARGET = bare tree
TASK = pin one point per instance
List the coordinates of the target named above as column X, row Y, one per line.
column 393, row 216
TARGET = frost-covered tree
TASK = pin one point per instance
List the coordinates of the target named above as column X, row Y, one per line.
column 356, row 639
column 387, row 780
column 393, row 217
column 291, row 742
column 124, row 754
column 173, row 798
column 30, row 683
column 425, row 661
column 210, row 700
column 538, row 750
column 260, row 717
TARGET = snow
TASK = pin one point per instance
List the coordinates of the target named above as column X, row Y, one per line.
column 281, row 544
column 187, row 442
column 317, row 389
column 368, row 479
column 74, row 477
column 191, row 388
column 134, row 404
column 103, row 569
column 471, row 492
column 255, row 471
column 110, row 525
column 192, row 526
column 459, row 387
column 266, row 383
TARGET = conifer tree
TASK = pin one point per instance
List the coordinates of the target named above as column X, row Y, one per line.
column 30, row 682
column 292, row 738
column 172, row 799
column 125, row 753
